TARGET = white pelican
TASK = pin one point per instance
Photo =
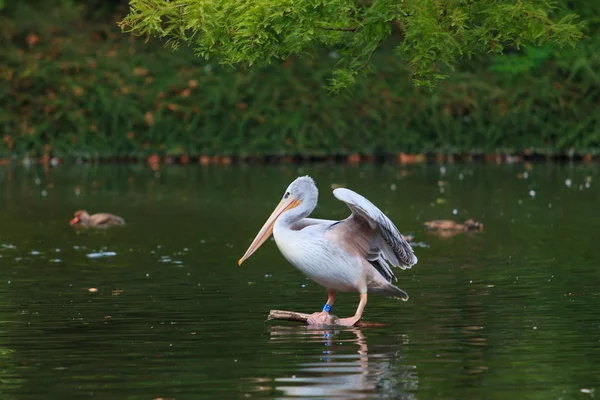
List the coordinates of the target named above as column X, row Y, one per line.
column 351, row 255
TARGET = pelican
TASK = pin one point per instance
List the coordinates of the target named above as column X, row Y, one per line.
column 351, row 255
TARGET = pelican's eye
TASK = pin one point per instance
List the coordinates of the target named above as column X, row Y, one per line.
column 286, row 195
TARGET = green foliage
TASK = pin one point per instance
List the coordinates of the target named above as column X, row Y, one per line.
column 76, row 86
column 532, row 60
column 433, row 34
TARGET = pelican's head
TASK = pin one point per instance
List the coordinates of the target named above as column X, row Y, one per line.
column 302, row 190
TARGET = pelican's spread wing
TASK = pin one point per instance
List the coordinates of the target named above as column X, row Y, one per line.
column 381, row 240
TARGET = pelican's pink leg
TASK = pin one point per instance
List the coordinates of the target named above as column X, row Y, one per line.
column 322, row 317
column 358, row 315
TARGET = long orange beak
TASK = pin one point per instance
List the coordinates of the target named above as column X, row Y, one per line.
column 267, row 229
column 74, row 221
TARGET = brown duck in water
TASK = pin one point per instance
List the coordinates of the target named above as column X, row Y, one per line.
column 82, row 218
column 448, row 225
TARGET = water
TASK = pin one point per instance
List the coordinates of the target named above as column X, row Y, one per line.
column 160, row 309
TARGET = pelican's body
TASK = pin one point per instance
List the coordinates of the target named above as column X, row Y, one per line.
column 351, row 255
column 308, row 250
column 316, row 251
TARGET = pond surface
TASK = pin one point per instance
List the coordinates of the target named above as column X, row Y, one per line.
column 160, row 309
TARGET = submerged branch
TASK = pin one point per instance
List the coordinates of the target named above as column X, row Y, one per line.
column 284, row 315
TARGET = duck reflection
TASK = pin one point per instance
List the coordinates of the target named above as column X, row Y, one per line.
column 339, row 365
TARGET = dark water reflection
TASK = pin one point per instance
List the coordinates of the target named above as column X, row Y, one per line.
column 159, row 308
column 339, row 365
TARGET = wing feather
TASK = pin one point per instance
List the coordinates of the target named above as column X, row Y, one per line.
column 304, row 222
column 385, row 240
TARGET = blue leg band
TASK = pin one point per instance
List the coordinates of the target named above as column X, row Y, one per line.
column 326, row 308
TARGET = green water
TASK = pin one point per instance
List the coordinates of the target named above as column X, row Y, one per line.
column 511, row 313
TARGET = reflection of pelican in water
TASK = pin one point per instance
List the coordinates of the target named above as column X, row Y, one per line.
column 342, row 367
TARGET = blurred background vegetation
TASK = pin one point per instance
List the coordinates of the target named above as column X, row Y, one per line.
column 73, row 85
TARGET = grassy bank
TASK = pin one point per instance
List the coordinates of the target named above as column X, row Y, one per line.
column 71, row 85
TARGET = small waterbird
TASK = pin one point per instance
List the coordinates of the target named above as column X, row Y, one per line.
column 449, row 225
column 82, row 218
column 352, row 255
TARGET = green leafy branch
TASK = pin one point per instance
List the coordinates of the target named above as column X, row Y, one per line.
column 431, row 35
